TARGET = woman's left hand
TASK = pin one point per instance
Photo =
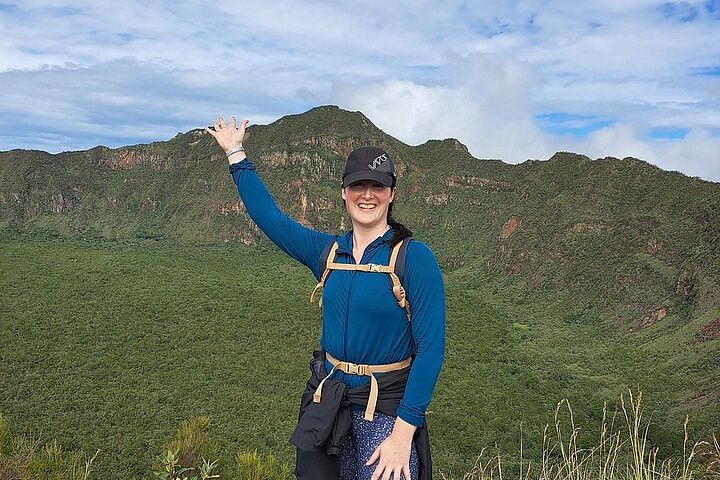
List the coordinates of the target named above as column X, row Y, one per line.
column 228, row 136
column 394, row 453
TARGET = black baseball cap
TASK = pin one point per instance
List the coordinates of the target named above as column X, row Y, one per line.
column 369, row 163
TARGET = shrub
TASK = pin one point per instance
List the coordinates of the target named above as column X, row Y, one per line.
column 188, row 451
column 253, row 466
column 175, row 471
column 23, row 458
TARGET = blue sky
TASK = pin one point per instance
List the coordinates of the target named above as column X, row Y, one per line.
column 511, row 80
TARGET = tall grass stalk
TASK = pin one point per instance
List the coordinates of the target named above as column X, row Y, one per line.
column 714, row 465
column 622, row 453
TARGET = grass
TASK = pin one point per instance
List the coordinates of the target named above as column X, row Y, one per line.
column 23, row 457
column 110, row 345
column 622, row 452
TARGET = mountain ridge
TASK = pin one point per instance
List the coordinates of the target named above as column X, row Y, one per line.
column 335, row 120
column 507, row 215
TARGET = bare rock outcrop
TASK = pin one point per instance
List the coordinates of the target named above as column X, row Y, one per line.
column 338, row 146
column 582, row 227
column 466, row 182
column 685, row 285
column 437, row 199
column 653, row 316
column 710, row 331
column 60, row 203
column 509, row 227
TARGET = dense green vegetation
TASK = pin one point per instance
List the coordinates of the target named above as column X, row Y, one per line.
column 111, row 345
column 136, row 293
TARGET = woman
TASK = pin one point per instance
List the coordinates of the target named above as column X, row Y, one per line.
column 363, row 324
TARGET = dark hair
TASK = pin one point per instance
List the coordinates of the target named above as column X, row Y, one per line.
column 401, row 232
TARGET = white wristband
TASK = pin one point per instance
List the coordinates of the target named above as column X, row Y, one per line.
column 233, row 151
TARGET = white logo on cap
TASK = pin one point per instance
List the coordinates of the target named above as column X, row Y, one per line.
column 378, row 161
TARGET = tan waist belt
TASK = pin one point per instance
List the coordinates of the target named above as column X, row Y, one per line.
column 367, row 370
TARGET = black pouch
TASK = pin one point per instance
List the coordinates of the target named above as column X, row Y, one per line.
column 321, row 426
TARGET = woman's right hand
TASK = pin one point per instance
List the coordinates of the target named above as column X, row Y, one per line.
column 228, row 136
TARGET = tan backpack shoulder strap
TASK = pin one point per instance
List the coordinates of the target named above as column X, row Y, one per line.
column 328, row 267
column 394, row 254
column 397, row 288
column 331, row 257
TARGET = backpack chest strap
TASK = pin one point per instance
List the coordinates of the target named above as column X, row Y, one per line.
column 363, row 267
column 397, row 288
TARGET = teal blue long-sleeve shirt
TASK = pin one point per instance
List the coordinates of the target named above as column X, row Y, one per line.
column 362, row 322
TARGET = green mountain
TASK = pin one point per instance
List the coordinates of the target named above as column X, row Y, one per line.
column 565, row 277
column 636, row 235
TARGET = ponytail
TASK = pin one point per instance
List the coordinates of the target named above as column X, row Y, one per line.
column 401, row 232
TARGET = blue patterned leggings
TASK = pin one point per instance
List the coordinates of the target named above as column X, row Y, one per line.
column 360, row 443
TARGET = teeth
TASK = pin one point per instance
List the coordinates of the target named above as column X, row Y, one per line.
column 366, row 206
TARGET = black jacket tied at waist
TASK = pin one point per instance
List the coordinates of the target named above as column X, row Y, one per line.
column 322, row 426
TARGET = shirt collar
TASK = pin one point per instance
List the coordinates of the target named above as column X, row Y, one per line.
column 345, row 241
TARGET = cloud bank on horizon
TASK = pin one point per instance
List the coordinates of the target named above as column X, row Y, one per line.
column 511, row 80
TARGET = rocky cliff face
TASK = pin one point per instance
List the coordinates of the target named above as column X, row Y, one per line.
column 472, row 182
column 127, row 159
column 61, row 204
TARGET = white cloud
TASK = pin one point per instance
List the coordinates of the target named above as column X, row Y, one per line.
column 485, row 104
column 698, row 154
column 616, row 141
column 114, row 103
column 81, row 73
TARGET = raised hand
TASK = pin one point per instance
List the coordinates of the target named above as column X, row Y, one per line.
column 228, row 136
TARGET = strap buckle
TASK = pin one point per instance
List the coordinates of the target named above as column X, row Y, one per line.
column 355, row 369
column 373, row 267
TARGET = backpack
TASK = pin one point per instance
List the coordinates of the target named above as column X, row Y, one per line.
column 395, row 268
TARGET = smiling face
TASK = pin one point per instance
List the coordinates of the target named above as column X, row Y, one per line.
column 367, row 203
